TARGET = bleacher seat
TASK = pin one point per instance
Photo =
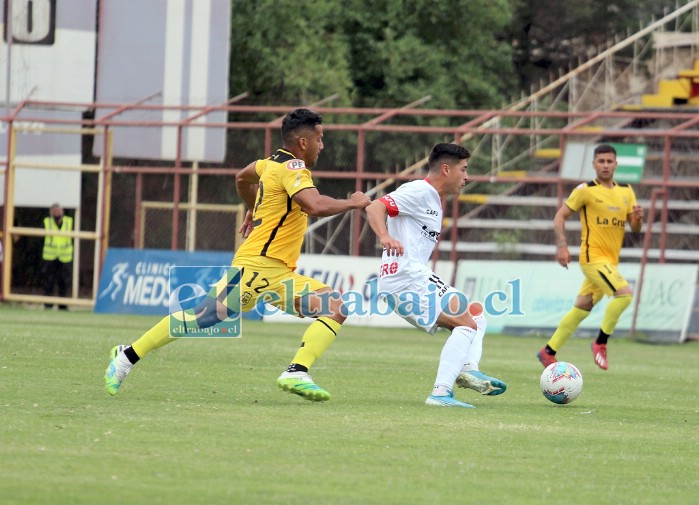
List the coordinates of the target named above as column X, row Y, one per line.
column 683, row 90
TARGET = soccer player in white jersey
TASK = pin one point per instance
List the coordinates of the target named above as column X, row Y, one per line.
column 414, row 215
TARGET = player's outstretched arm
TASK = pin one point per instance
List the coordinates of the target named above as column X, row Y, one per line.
column 317, row 205
column 376, row 217
column 562, row 253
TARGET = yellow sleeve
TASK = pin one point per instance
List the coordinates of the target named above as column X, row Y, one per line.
column 295, row 179
column 578, row 198
column 260, row 167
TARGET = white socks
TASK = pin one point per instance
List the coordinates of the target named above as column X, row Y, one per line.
column 123, row 366
column 455, row 353
column 473, row 358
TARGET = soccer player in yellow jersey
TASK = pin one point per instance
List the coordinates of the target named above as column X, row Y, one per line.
column 280, row 195
column 604, row 207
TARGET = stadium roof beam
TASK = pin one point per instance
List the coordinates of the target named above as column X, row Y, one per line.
column 584, row 121
column 212, row 108
column 126, row 107
column 685, row 125
column 389, row 114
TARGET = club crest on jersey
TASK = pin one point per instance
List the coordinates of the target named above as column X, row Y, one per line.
column 295, row 164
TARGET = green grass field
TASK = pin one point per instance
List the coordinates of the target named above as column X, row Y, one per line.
column 203, row 421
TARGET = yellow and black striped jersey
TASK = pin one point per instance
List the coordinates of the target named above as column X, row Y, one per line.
column 279, row 222
column 603, row 213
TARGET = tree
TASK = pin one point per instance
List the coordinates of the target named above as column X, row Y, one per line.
column 387, row 54
column 402, row 50
column 392, row 53
column 281, row 50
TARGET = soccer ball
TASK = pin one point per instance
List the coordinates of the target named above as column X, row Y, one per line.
column 561, row 382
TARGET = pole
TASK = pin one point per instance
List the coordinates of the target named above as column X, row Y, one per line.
column 644, row 257
column 192, row 211
column 8, row 63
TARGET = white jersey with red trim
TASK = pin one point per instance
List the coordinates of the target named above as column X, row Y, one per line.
column 415, row 219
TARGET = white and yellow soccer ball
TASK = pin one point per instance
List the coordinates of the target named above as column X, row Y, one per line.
column 561, row 382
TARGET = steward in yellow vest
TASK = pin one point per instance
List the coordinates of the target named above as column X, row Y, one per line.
column 57, row 255
column 60, row 248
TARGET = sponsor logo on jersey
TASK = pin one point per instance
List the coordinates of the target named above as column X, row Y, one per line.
column 431, row 234
column 614, row 221
column 295, row 164
column 431, row 212
column 389, row 268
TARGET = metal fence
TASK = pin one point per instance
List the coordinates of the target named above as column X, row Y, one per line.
column 504, row 213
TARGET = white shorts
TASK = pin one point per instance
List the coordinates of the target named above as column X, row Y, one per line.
column 421, row 303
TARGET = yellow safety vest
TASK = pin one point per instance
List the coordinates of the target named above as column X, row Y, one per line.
column 60, row 248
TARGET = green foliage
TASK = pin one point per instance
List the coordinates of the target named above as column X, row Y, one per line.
column 203, row 422
column 282, row 49
column 465, row 54
column 393, row 53
column 405, row 50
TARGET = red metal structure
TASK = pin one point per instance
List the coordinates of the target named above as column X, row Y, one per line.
column 673, row 133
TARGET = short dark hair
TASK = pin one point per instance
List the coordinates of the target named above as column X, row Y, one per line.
column 444, row 151
column 603, row 149
column 298, row 119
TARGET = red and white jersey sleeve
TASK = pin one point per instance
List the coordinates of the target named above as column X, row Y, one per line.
column 407, row 199
column 415, row 219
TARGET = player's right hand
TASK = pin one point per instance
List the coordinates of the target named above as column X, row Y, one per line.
column 359, row 200
column 563, row 256
column 392, row 246
column 247, row 225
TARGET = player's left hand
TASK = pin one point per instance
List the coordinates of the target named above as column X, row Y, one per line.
column 563, row 256
column 247, row 225
column 637, row 213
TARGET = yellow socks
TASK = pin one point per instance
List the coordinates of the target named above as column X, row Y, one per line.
column 317, row 338
column 157, row 336
column 616, row 306
column 575, row 316
column 567, row 327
